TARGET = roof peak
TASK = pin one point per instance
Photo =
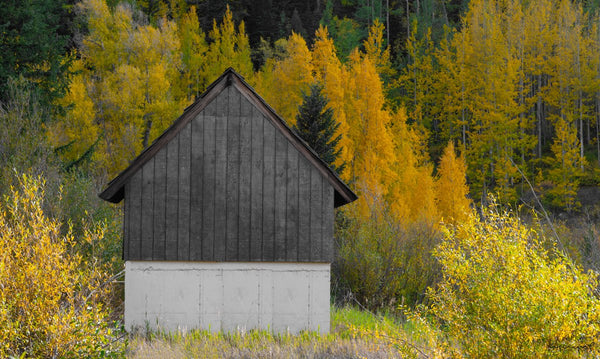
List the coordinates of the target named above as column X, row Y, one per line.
column 114, row 191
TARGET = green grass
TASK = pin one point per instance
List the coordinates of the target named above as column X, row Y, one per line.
column 354, row 334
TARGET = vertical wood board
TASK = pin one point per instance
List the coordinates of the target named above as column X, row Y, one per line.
column 196, row 192
column 233, row 173
column 208, row 197
column 172, row 201
column 160, row 191
column 183, row 212
column 220, row 191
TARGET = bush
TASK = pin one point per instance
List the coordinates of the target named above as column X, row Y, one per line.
column 50, row 301
column 382, row 262
column 503, row 294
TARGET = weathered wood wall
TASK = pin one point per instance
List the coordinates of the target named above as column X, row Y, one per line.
column 229, row 187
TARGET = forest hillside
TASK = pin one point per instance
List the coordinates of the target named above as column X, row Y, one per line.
column 470, row 131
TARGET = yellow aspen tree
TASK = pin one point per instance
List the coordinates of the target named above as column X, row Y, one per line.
column 292, row 76
column 193, row 55
column 330, row 72
column 539, row 42
column 372, row 166
column 451, row 187
column 453, row 86
column 77, row 132
column 228, row 48
column 567, row 166
column 418, row 79
column 129, row 72
column 377, row 51
column 564, row 97
column 155, row 52
column 411, row 196
column 595, row 88
column 495, row 136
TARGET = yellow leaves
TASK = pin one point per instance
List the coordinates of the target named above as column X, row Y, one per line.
column 375, row 50
column 193, row 53
column 229, row 48
column 290, row 77
column 43, row 306
column 568, row 165
column 504, row 293
column 451, row 187
column 81, row 131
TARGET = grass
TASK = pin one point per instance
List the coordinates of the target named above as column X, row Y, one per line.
column 354, row 334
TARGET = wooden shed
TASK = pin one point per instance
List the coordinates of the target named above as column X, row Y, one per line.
column 228, row 220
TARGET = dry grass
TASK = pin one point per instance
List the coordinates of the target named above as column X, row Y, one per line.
column 354, row 334
column 194, row 346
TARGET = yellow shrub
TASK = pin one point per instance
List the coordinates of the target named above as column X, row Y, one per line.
column 504, row 295
column 48, row 304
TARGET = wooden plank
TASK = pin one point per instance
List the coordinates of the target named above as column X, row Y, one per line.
column 268, row 214
column 126, row 217
column 292, row 204
column 233, row 173
column 160, row 189
column 280, row 196
column 345, row 194
column 171, row 201
column 147, row 210
column 328, row 222
column 304, row 169
column 135, row 219
column 221, row 177
column 111, row 193
column 208, row 186
column 256, row 245
column 316, row 199
column 196, row 187
column 183, row 227
column 245, row 180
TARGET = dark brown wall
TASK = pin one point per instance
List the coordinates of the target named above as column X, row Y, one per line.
column 229, row 187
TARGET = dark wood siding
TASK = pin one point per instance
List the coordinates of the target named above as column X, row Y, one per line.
column 229, row 187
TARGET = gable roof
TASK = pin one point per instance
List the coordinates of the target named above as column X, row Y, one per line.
column 115, row 191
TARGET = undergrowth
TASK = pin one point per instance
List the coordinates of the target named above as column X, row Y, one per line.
column 354, row 334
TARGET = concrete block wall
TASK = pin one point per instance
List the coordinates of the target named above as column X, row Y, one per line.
column 227, row 296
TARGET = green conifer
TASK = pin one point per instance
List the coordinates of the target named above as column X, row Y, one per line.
column 315, row 125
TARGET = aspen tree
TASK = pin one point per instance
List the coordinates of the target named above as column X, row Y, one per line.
column 193, row 54
column 294, row 75
column 229, row 47
column 337, row 86
column 129, row 72
column 372, row 166
column 411, row 194
column 451, row 187
column 567, row 169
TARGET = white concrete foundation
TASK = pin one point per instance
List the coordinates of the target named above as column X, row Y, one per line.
column 227, row 296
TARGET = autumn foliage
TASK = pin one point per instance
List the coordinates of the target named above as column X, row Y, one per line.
column 50, row 299
column 504, row 293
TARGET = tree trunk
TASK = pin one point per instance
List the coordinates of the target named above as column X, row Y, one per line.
column 387, row 21
column 444, row 12
column 407, row 22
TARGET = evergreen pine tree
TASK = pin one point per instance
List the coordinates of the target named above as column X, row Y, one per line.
column 315, row 125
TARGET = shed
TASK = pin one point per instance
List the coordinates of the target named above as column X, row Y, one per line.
column 228, row 220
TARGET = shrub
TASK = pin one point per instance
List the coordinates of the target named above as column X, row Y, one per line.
column 503, row 294
column 49, row 299
column 382, row 262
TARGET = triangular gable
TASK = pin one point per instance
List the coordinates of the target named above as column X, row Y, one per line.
column 114, row 191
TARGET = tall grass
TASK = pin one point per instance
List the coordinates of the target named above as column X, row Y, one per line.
column 354, row 334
